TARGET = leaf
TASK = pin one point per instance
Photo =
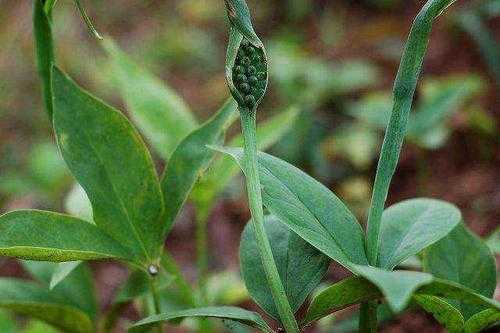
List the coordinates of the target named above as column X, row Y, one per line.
column 309, row 209
column 191, row 158
column 44, row 47
column 301, row 267
column 47, row 236
column 78, row 204
column 223, row 169
column 463, row 258
column 493, row 241
column 443, row 311
column 340, row 295
column 410, row 226
column 403, row 92
column 161, row 114
column 29, row 299
column 396, row 286
column 62, row 271
column 111, row 162
column 225, row 312
column 482, row 320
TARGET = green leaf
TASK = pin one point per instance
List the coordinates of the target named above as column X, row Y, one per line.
column 463, row 258
column 78, row 204
column 239, row 16
column 191, row 158
column 482, row 320
column 301, row 267
column 225, row 312
column 36, row 326
column 161, row 114
column 223, row 169
column 493, row 241
column 309, row 209
column 111, row 162
column 443, row 311
column 396, row 286
column 49, row 5
column 39, row 235
column 340, row 295
column 29, row 299
column 410, row 226
column 44, row 47
column 7, row 323
column 62, row 271
column 403, row 92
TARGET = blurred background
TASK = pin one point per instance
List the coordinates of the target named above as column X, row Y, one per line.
column 334, row 61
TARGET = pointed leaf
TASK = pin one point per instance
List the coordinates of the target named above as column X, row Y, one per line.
column 309, row 209
column 29, row 299
column 39, row 235
column 443, row 311
column 111, row 162
column 340, row 295
column 191, row 158
column 396, row 286
column 301, row 267
column 391, row 285
column 224, row 312
column 411, row 225
column 161, row 114
column 482, row 320
column 62, row 271
column 223, row 169
column 463, row 258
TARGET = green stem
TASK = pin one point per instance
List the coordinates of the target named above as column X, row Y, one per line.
column 368, row 317
column 202, row 253
column 170, row 266
column 403, row 91
column 248, row 124
column 156, row 301
column 44, row 49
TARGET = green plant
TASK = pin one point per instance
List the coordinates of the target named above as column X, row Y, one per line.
column 317, row 216
column 284, row 253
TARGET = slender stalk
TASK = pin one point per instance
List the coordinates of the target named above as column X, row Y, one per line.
column 156, row 301
column 169, row 265
column 255, row 201
column 368, row 317
column 202, row 253
column 403, row 91
column 44, row 49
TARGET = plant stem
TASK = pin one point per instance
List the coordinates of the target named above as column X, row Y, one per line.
column 169, row 265
column 202, row 253
column 248, row 125
column 156, row 300
column 368, row 317
column 403, row 91
column 44, row 48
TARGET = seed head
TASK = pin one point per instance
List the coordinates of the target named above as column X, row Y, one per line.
column 250, row 73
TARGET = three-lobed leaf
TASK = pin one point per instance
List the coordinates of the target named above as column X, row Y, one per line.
column 40, row 235
column 109, row 159
column 410, row 226
column 300, row 266
column 309, row 209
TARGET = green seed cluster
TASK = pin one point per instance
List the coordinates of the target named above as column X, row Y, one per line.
column 250, row 73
